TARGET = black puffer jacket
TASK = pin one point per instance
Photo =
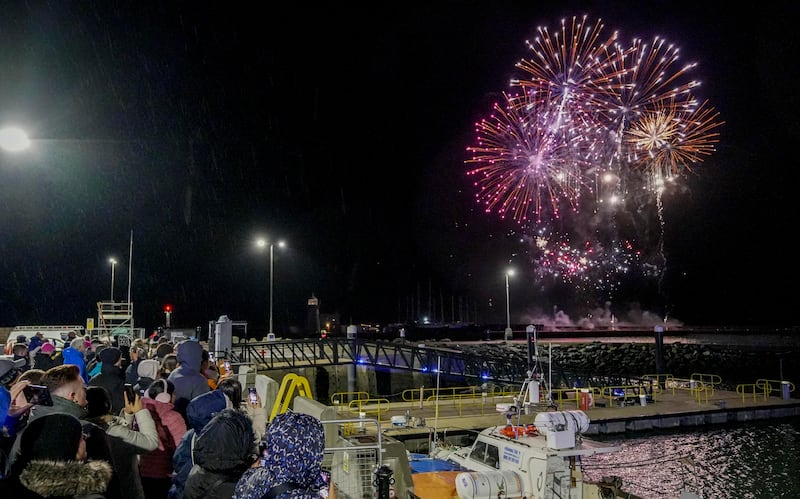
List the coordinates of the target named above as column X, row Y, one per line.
column 222, row 452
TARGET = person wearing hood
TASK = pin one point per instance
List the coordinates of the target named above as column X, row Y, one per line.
column 53, row 462
column 294, row 446
column 222, row 452
column 199, row 412
column 111, row 377
column 146, row 373
column 188, row 380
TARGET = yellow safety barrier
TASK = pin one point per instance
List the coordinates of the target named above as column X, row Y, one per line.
column 771, row 386
column 753, row 389
column 290, row 383
column 344, row 397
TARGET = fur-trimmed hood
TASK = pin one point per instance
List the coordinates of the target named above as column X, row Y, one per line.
column 66, row 478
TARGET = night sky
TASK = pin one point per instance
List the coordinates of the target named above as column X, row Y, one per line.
column 199, row 126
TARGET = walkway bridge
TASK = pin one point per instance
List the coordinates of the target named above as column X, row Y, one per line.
column 288, row 354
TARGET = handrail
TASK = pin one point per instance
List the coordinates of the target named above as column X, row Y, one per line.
column 773, row 385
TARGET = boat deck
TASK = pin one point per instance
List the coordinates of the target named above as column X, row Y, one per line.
column 670, row 409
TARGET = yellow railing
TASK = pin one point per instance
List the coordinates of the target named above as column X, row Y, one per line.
column 376, row 406
column 771, row 386
column 752, row 389
column 658, row 381
column 422, row 394
column 710, row 381
column 344, row 397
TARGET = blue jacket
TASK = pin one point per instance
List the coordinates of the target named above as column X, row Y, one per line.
column 72, row 356
column 199, row 412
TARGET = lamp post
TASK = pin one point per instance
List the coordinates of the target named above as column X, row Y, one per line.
column 113, row 263
column 13, row 139
column 509, row 334
column 262, row 243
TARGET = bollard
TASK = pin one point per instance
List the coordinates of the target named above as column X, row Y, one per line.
column 384, row 482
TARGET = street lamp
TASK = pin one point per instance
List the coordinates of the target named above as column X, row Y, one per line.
column 262, row 243
column 509, row 334
column 14, row 139
column 113, row 263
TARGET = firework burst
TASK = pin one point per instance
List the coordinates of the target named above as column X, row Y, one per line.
column 592, row 122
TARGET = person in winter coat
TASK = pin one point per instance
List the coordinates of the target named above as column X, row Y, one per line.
column 127, row 443
column 37, row 340
column 189, row 381
column 14, row 420
column 47, row 357
column 232, row 389
column 137, row 354
column 74, row 354
column 147, row 372
column 155, row 467
column 69, row 397
column 53, row 462
column 222, row 452
column 111, row 377
column 199, row 412
column 294, row 444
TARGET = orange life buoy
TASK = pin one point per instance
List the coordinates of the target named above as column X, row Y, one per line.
column 512, row 431
column 531, row 430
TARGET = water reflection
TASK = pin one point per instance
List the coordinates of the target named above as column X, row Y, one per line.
column 754, row 460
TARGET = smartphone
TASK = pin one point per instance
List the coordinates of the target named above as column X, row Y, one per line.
column 326, row 479
column 227, row 366
column 253, row 395
column 211, row 357
column 262, row 451
column 38, row 395
column 131, row 392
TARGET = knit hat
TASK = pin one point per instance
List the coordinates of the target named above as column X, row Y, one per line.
column 48, row 348
column 148, row 368
column 22, row 339
column 54, row 436
column 110, row 355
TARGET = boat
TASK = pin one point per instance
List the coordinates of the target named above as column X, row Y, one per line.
column 541, row 460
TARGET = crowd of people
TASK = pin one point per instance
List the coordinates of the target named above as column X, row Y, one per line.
column 149, row 420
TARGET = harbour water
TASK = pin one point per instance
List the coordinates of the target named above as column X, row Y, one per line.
column 755, row 460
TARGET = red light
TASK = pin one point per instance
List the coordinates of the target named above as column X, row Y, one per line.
column 167, row 308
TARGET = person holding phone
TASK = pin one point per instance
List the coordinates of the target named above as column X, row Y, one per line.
column 111, row 377
column 130, row 434
column 19, row 410
column 11, row 391
column 251, row 405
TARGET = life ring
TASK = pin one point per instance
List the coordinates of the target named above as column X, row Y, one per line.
column 512, row 431
column 531, row 430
